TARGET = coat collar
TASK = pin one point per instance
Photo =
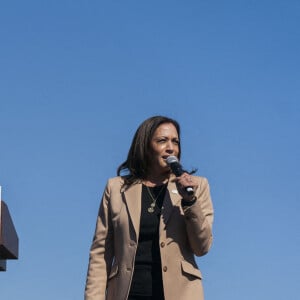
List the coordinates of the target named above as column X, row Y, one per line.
column 132, row 197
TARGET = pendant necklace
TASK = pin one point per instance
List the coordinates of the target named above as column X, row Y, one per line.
column 154, row 199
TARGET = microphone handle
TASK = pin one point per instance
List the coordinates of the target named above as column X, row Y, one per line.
column 177, row 170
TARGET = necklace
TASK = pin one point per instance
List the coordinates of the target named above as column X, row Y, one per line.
column 154, row 199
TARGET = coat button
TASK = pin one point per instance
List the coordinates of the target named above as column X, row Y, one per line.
column 165, row 268
column 162, row 244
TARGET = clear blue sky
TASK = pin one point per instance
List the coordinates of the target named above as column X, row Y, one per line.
column 78, row 77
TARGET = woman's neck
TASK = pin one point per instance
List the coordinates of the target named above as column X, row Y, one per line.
column 154, row 180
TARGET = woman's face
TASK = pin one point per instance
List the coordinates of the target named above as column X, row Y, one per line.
column 165, row 142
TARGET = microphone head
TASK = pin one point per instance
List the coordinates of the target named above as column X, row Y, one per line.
column 172, row 159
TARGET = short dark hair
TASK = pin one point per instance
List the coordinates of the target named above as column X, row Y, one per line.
column 139, row 156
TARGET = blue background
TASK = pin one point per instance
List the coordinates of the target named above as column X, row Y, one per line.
column 78, row 77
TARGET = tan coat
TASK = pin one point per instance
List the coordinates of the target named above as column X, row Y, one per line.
column 182, row 233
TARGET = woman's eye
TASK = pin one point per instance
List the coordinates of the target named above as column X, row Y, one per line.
column 161, row 140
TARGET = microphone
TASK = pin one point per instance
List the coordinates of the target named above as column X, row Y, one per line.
column 176, row 168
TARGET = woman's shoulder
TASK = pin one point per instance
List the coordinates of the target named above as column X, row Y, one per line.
column 117, row 184
column 200, row 177
column 115, row 181
column 113, row 184
column 202, row 180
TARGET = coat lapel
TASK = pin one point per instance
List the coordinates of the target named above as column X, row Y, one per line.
column 133, row 200
column 171, row 199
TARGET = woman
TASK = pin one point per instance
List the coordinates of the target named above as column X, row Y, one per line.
column 149, row 228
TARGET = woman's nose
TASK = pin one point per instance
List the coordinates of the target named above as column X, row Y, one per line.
column 170, row 147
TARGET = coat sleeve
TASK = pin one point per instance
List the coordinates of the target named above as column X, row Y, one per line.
column 101, row 252
column 199, row 219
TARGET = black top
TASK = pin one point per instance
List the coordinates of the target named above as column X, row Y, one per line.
column 147, row 276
